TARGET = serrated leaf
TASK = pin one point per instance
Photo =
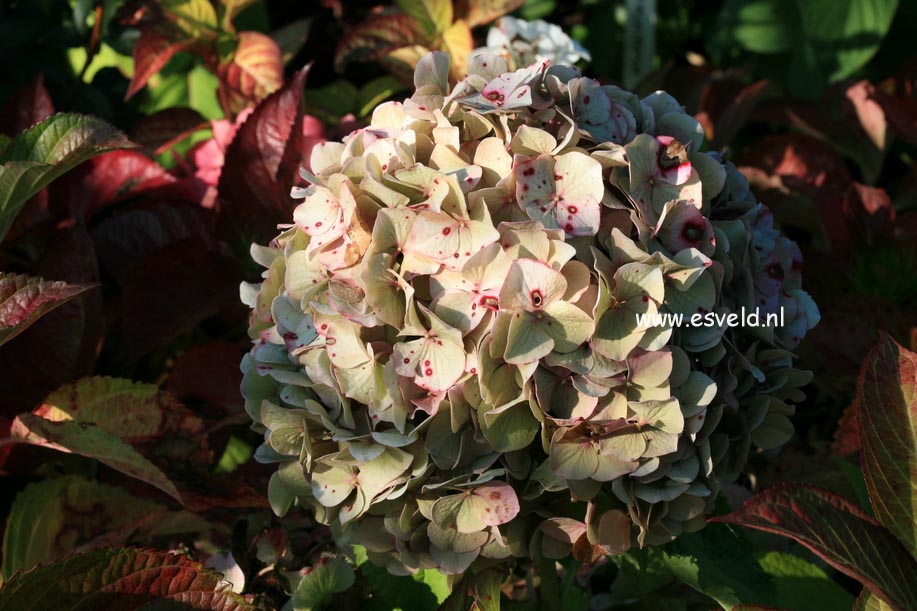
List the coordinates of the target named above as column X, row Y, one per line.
column 25, row 299
column 29, row 105
column 51, row 518
column 261, row 165
column 28, row 368
column 133, row 411
column 887, row 416
column 104, row 418
column 172, row 290
column 375, row 38
column 162, row 130
column 839, row 533
column 93, row 442
column 153, row 50
column 120, row 578
column 46, row 151
column 255, row 71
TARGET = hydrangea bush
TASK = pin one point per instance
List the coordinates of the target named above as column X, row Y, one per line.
column 447, row 363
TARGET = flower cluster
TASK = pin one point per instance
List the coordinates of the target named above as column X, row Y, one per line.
column 522, row 42
column 447, row 362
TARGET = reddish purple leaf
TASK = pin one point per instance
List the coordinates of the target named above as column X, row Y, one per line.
column 171, row 291
column 162, row 130
column 152, row 52
column 375, row 38
column 847, row 436
column 25, row 299
column 137, row 413
column 140, row 229
column 261, row 166
column 120, row 579
column 105, row 180
column 838, row 532
column 209, row 373
column 27, row 107
column 809, row 166
column 901, row 114
column 255, row 71
column 887, row 415
column 737, row 113
column 201, row 491
column 62, row 346
column 93, row 442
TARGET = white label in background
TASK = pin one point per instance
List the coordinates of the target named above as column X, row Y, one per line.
column 639, row 41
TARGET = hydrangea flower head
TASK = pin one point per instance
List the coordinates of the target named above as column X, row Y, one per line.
column 450, row 353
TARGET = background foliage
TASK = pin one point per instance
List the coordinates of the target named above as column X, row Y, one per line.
column 123, row 248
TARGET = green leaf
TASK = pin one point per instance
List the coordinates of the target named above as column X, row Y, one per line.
column 537, row 9
column 328, row 577
column 46, row 151
column 133, row 411
column 237, row 453
column 433, row 16
column 202, row 97
column 424, row 591
column 839, row 533
column 93, row 442
column 103, row 418
column 887, row 416
column 867, row 601
column 193, row 17
column 291, row 37
column 335, row 99
column 845, row 34
column 51, row 518
column 799, row 582
column 119, row 578
column 639, row 573
column 761, row 26
column 718, row 562
column 854, row 476
column 25, row 299
column 375, row 92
